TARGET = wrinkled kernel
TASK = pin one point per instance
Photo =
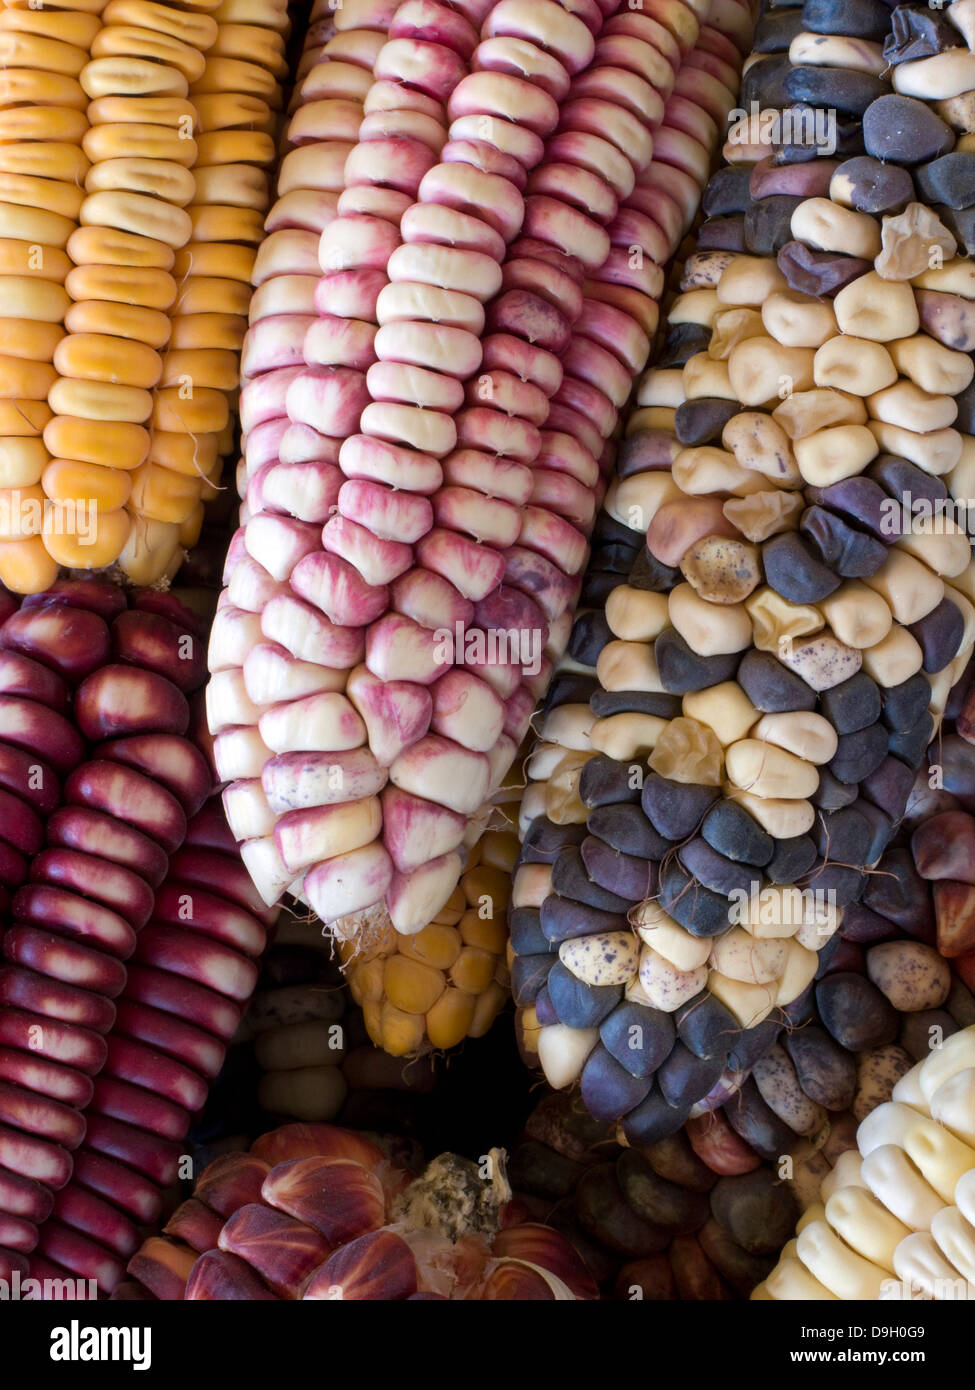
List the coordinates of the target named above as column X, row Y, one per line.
column 562, row 801
column 913, row 242
column 688, row 751
column 765, row 514
column 722, row 570
column 760, row 444
column 776, row 621
column 805, row 412
column 732, row 327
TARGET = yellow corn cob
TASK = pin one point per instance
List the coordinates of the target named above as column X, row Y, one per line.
column 235, row 97
column 133, row 221
column 43, row 167
column 132, row 196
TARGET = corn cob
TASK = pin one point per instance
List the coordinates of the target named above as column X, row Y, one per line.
column 318, row 1228
column 236, row 97
column 450, row 980
column 830, row 1060
column 43, row 117
column 113, row 85
column 296, row 1023
column 191, row 973
column 661, row 1222
column 768, row 1145
column 353, row 868
column 894, row 1216
column 87, row 888
column 111, row 1025
column 327, row 112
column 743, row 574
column 133, row 221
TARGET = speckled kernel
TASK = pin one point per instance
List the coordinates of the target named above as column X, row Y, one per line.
column 664, row 986
column 607, row 958
column 779, row 1087
column 878, row 1072
column 722, row 570
column 911, row 975
column 822, row 661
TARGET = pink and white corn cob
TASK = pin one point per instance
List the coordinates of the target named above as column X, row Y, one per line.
column 471, row 484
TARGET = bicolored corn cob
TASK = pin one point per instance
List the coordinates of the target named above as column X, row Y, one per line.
column 772, row 638
column 252, row 668
column 314, row 1212
column 895, row 1216
column 696, row 1214
column 437, row 474
column 819, row 1070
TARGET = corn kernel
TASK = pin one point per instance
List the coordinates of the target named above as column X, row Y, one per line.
column 488, row 1006
column 499, row 850
column 150, row 550
column 82, row 549
column 203, row 412
column 33, row 341
column 488, row 886
column 22, row 461
column 401, row 1034
column 21, row 512
column 487, row 933
column 26, row 567
column 436, row 945
column 450, row 1018
column 68, row 480
column 182, row 453
column 368, row 978
column 111, row 443
column 189, row 530
column 412, row 987
column 473, row 970
column 163, row 494
column 20, row 377
column 450, row 914
column 528, row 1030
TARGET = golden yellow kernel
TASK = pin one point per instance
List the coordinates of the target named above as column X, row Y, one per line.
column 436, row 945
column 412, row 987
column 450, row 1018
column 450, row 914
column 486, row 885
column 400, row 1034
column 368, row 979
column 499, row 850
column 473, row 970
column 488, row 1006
column 487, row 933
